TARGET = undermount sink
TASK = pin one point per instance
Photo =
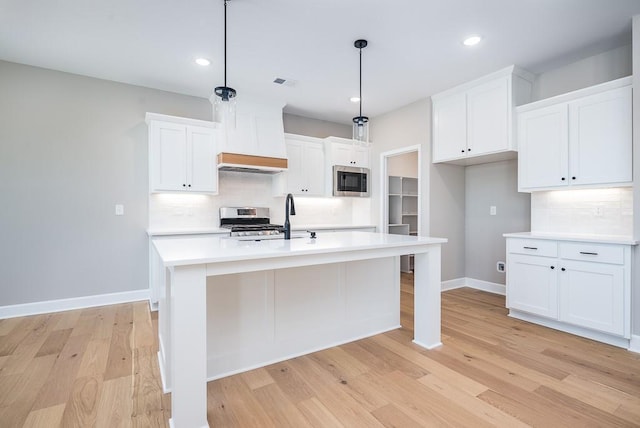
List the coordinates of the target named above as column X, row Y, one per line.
column 266, row 237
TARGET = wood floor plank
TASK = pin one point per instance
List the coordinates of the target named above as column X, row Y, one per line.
column 257, row 378
column 282, row 412
column 317, row 414
column 143, row 334
column 291, row 383
column 147, row 401
column 94, row 360
column 28, row 348
column 120, row 361
column 49, row 417
column 18, row 401
column 82, row 407
column 54, row 343
column 391, row 417
column 246, row 409
column 115, row 405
column 61, row 379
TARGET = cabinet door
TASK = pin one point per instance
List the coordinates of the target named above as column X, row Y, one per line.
column 600, row 138
column 314, row 169
column 295, row 172
column 360, row 156
column 168, row 147
column 450, row 127
column 592, row 296
column 543, row 148
column 202, row 171
column 488, row 118
column 341, row 154
column 532, row 285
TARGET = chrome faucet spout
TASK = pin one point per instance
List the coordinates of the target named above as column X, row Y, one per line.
column 289, row 208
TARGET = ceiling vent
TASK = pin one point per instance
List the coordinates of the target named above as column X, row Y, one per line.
column 284, row 81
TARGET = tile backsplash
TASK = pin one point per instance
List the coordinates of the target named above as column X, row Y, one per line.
column 586, row 211
column 195, row 211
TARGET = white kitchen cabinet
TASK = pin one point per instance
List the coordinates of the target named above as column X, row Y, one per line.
column 306, row 173
column 592, row 295
column 472, row 123
column 533, row 285
column 583, row 138
column 182, row 155
column 580, row 287
column 342, row 151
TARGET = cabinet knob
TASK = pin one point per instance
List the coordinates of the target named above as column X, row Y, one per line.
column 573, row 178
column 184, row 185
column 563, row 179
column 469, row 149
column 562, row 269
column 553, row 267
column 462, row 151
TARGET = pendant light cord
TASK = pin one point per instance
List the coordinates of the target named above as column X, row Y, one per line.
column 225, row 43
column 360, row 82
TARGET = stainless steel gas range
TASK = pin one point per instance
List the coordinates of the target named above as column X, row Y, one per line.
column 248, row 221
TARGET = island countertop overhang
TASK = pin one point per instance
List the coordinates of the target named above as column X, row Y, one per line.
column 216, row 249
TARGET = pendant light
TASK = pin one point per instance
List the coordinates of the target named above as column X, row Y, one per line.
column 225, row 103
column 361, row 123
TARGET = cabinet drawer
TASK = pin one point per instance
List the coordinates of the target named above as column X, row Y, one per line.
column 534, row 247
column 589, row 252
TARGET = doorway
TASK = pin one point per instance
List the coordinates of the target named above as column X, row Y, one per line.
column 401, row 200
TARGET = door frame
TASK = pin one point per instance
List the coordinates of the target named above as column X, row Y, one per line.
column 384, row 185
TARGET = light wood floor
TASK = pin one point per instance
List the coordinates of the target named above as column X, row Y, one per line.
column 98, row 367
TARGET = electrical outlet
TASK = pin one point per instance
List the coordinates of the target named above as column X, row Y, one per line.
column 493, row 210
column 119, row 209
column 500, row 267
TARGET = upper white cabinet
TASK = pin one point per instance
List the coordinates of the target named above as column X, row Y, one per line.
column 582, row 138
column 259, row 130
column 472, row 123
column 342, row 151
column 182, row 154
column 306, row 173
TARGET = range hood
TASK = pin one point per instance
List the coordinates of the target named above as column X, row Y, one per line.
column 249, row 163
column 256, row 143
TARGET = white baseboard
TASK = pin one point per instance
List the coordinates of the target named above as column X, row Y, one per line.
column 452, row 284
column 35, row 308
column 634, row 343
column 478, row 284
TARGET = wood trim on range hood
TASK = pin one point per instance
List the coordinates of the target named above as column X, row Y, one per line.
column 250, row 163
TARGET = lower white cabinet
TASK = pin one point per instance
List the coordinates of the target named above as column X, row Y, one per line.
column 583, row 286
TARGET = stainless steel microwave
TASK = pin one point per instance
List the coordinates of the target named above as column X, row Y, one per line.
column 350, row 181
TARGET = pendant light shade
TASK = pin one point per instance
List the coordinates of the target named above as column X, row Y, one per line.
column 361, row 123
column 225, row 102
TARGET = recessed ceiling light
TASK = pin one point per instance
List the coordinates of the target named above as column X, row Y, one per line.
column 472, row 40
column 354, row 99
column 203, row 62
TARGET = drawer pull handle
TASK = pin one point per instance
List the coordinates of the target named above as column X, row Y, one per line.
column 530, row 248
column 588, row 253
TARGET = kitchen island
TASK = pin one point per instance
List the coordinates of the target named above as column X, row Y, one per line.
column 231, row 305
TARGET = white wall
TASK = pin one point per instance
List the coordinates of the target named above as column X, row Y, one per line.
column 72, row 147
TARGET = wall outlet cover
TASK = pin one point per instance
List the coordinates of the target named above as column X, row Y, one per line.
column 500, row 267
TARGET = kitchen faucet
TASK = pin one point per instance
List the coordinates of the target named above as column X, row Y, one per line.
column 287, row 225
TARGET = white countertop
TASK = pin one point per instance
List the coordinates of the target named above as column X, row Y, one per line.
column 602, row 239
column 218, row 230
column 216, row 249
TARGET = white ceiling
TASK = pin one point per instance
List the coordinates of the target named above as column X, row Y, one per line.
column 414, row 47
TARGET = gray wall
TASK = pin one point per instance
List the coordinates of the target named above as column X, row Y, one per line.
column 72, row 147
column 492, row 184
column 635, row 293
column 606, row 66
column 315, row 128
